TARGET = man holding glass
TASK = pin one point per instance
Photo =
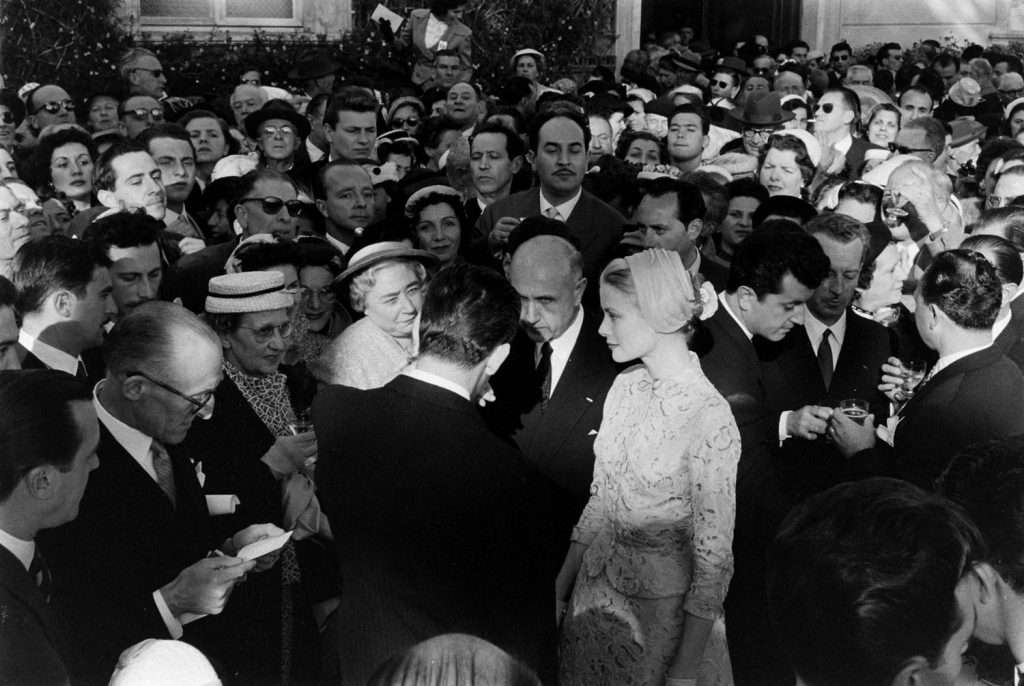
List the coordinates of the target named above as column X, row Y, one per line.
column 973, row 393
column 830, row 358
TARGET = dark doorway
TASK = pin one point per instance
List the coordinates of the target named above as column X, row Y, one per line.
column 724, row 22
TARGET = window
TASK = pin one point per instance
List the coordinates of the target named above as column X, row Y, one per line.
column 263, row 13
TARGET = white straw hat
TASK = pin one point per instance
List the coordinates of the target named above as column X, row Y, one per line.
column 247, row 292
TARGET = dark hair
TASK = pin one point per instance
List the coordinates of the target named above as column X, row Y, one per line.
column 8, row 294
column 514, row 146
column 123, row 230
column 145, row 339
column 964, row 285
column 690, row 108
column 556, row 111
column 317, row 252
column 1004, row 256
column 862, row 192
column 468, row 311
column 689, row 202
column 16, row 106
column 39, row 426
column 439, row 8
column 934, row 133
column 747, row 188
column 841, row 46
column 37, row 166
column 946, row 59
column 247, row 183
column 851, row 101
column 863, row 577
column 260, row 256
column 515, row 89
column 627, row 138
column 798, row 43
column 445, row 53
column 53, row 263
column 1013, row 62
column 166, row 130
column 511, row 112
column 772, row 250
column 796, row 104
column 920, row 90
column 103, row 176
column 714, row 193
column 229, row 140
column 933, row 83
column 885, row 107
column 431, row 128
column 1010, row 223
column 840, row 228
column 784, row 142
column 987, row 481
column 993, row 149
column 349, row 99
column 883, row 52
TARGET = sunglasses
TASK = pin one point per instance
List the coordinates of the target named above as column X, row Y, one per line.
column 904, row 150
column 400, row 123
column 762, row 133
column 840, row 58
column 273, row 205
column 722, row 84
column 284, row 130
column 142, row 114
column 54, row 106
column 265, row 333
column 1012, row 93
column 157, row 73
column 7, row 118
column 827, row 107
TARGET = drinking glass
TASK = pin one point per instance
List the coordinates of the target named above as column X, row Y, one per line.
column 855, row 409
column 302, row 423
column 892, row 209
column 911, row 374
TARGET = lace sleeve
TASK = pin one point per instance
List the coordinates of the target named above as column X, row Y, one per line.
column 714, row 511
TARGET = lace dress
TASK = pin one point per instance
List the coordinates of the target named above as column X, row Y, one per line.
column 658, row 528
column 364, row 356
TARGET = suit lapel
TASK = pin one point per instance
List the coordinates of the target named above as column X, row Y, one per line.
column 581, row 221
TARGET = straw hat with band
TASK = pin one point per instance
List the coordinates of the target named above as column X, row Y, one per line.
column 379, row 252
column 247, row 292
column 536, row 54
column 764, row 111
column 276, row 109
column 313, row 65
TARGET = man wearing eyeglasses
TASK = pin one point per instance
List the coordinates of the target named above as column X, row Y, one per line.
column 48, row 105
column 835, row 117
column 839, row 61
column 142, row 73
column 139, row 113
column 144, row 559
column 924, row 137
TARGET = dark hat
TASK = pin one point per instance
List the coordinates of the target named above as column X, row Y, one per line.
column 965, row 130
column 784, row 206
column 681, row 61
column 276, row 109
column 313, row 65
column 763, row 111
column 607, row 101
column 881, row 237
column 730, row 63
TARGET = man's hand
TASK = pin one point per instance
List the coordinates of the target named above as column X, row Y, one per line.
column 291, row 452
column 204, row 587
column 851, row 437
column 190, row 245
column 892, row 378
column 251, row 534
column 808, row 422
column 498, row 237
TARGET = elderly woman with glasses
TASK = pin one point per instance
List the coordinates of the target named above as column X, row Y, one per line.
column 386, row 282
column 258, row 446
column 279, row 132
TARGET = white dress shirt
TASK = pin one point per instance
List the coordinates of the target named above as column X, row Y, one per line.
column 725, row 305
column 48, row 355
column 815, row 328
column 437, row 380
column 565, row 209
column 23, row 550
column 561, row 349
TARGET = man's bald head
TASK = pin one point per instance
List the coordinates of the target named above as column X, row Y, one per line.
column 547, row 273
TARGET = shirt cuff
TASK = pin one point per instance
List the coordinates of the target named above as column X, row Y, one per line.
column 783, row 431
column 172, row 624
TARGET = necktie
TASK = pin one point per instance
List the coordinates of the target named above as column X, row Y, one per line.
column 164, row 470
column 40, row 573
column 825, row 362
column 544, row 374
column 552, row 213
column 80, row 373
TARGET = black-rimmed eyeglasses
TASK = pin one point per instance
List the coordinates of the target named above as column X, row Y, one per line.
column 198, row 404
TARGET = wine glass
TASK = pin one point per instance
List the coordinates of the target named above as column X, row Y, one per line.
column 911, row 374
column 892, row 208
column 855, row 409
column 302, row 423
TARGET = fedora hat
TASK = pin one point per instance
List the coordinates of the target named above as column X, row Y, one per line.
column 764, row 111
column 965, row 130
column 681, row 61
column 378, row 252
column 734, row 64
column 247, row 292
column 313, row 65
column 276, row 109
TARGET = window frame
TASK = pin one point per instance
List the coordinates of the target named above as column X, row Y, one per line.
column 219, row 19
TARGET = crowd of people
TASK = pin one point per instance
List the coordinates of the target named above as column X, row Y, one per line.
column 705, row 372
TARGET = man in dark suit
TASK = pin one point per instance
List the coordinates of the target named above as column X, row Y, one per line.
column 805, row 380
column 550, row 403
column 835, row 119
column 64, row 297
column 137, row 561
column 774, row 271
column 671, row 216
column 47, row 449
column 10, row 323
column 559, row 139
column 973, row 392
column 495, row 157
column 440, row 526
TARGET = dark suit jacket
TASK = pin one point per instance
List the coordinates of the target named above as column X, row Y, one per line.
column 597, row 226
column 92, row 358
column 977, row 398
column 189, row 278
column 560, row 439
column 441, row 527
column 127, row 541
column 1011, row 341
column 33, row 649
column 717, row 274
column 793, row 380
column 855, row 156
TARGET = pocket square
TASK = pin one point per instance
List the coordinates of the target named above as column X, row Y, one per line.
column 590, row 400
column 593, row 432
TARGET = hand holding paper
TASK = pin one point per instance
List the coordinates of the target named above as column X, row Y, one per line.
column 261, row 543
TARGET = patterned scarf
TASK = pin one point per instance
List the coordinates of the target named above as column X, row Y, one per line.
column 267, row 396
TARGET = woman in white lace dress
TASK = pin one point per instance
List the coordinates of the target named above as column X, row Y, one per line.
column 652, row 553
